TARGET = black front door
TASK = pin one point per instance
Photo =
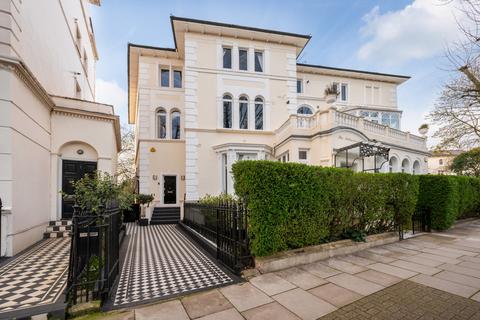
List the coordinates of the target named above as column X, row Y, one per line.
column 169, row 189
column 71, row 172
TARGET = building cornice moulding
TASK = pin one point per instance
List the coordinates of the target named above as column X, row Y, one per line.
column 23, row 73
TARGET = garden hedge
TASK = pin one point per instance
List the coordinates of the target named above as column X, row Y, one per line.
column 448, row 198
column 295, row 205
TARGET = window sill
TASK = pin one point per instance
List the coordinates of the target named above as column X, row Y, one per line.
column 164, row 140
column 246, row 131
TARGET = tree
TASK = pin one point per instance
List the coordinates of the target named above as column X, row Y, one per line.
column 126, row 158
column 457, row 111
column 467, row 163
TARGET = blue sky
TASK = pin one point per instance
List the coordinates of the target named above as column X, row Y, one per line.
column 395, row 36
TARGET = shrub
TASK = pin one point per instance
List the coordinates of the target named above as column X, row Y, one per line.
column 439, row 197
column 468, row 196
column 295, row 205
column 221, row 198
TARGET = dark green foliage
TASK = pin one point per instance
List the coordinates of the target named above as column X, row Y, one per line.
column 294, row 205
column 467, row 163
column 448, row 198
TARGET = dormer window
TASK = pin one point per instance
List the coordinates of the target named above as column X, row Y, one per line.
column 227, row 58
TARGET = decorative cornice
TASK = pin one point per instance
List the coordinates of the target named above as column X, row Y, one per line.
column 23, row 73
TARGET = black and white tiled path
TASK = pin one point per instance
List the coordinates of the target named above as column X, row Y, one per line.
column 36, row 277
column 161, row 261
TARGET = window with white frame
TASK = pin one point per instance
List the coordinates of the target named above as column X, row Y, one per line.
column 243, row 112
column 373, row 116
column 224, row 167
column 303, row 155
column 258, row 61
column 227, row 111
column 164, row 77
column 161, row 116
column 372, row 94
column 227, row 58
column 175, row 116
column 299, row 86
column 177, row 78
column 305, row 110
column 258, row 113
column 284, row 157
column 342, row 90
column 243, row 59
column 391, row 119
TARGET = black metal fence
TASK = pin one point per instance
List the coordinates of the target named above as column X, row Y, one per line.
column 94, row 255
column 1, row 237
column 421, row 222
column 223, row 224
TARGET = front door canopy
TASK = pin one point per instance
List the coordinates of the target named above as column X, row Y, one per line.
column 350, row 156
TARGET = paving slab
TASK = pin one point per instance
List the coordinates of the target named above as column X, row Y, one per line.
column 459, row 278
column 171, row 310
column 270, row 311
column 459, row 246
column 338, row 296
column 301, row 278
column 271, row 284
column 461, row 270
column 392, row 270
column 421, row 260
column 471, row 259
column 471, row 265
column 378, row 277
column 374, row 257
column 415, row 267
column 356, row 284
column 459, row 251
column 438, row 258
column 304, row 304
column 320, row 270
column 444, row 285
column 245, row 296
column 356, row 260
column 344, row 266
column 397, row 248
column 230, row 314
column 442, row 252
column 201, row 304
column 476, row 297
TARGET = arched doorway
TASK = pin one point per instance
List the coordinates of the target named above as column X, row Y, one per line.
column 393, row 164
column 416, row 167
column 76, row 160
column 406, row 165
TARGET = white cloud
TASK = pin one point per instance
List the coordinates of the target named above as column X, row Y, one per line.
column 420, row 30
column 110, row 92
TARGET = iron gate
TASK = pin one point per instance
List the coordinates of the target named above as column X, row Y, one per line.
column 223, row 227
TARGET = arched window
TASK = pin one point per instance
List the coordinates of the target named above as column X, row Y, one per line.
column 393, row 164
column 406, row 165
column 258, row 113
column 304, row 110
column 416, row 167
column 175, row 115
column 243, row 113
column 161, row 124
column 227, row 111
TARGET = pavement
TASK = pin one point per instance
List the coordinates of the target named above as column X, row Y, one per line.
column 432, row 276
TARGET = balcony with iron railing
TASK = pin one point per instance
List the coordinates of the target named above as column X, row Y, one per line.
column 326, row 120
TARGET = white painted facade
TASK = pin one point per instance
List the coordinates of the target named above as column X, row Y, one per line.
column 212, row 140
column 47, row 85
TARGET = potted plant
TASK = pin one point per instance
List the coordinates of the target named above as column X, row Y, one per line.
column 143, row 199
column 331, row 93
column 423, row 129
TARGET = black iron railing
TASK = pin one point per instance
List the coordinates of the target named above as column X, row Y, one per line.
column 94, row 255
column 1, row 251
column 223, row 224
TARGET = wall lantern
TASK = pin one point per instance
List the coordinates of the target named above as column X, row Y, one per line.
column 182, row 178
column 155, row 177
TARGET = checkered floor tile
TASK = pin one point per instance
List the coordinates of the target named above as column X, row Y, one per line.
column 36, row 277
column 161, row 261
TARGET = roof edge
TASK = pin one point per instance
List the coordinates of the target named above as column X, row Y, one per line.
column 353, row 70
column 142, row 46
column 236, row 26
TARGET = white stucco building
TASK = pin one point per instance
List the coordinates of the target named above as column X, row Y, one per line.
column 227, row 92
column 51, row 130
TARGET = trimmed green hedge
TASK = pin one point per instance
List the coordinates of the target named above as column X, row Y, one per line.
column 448, row 198
column 295, row 205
